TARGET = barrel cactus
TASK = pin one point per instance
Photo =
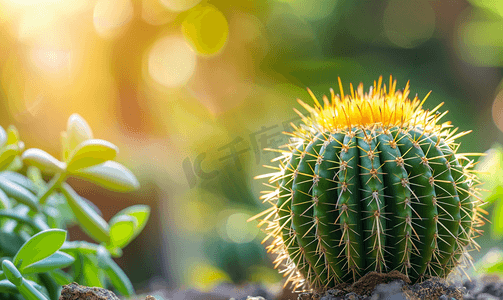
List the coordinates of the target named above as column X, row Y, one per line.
column 370, row 182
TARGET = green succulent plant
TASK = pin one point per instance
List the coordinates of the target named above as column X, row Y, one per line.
column 371, row 182
column 34, row 215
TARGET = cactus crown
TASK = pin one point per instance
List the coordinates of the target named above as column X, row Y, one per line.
column 370, row 182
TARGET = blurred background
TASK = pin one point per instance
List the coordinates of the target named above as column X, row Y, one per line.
column 192, row 91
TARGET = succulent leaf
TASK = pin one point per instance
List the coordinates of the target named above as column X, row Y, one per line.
column 3, row 137
column 8, row 155
column 122, row 230
column 90, row 153
column 111, row 175
column 60, row 277
column 12, row 273
column 39, row 247
column 77, row 131
column 43, row 160
column 58, row 260
column 19, row 193
column 88, row 219
column 118, row 278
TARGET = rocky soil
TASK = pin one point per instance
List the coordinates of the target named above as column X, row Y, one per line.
column 373, row 286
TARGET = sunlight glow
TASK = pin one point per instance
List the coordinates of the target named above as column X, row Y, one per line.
column 179, row 5
column 171, row 61
column 238, row 230
column 109, row 17
column 51, row 60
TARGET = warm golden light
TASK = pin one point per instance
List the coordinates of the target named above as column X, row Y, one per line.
column 51, row 60
column 179, row 5
column 110, row 16
column 154, row 13
column 171, row 62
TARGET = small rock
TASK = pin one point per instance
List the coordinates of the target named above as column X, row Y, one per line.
column 351, row 296
column 485, row 296
column 493, row 289
column 443, row 297
column 304, row 296
column 334, row 292
column 251, row 298
column 74, row 291
column 470, row 285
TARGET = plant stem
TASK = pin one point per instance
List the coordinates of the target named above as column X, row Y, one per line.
column 53, row 184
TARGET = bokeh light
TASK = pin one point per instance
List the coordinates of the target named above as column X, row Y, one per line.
column 171, row 61
column 312, row 10
column 408, row 24
column 110, row 16
column 179, row 5
column 204, row 275
column 51, row 60
column 235, row 229
column 154, row 13
column 206, row 29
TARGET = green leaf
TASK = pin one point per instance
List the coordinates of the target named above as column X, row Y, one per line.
column 77, row 131
column 19, row 193
column 12, row 273
column 118, row 278
column 29, row 292
column 35, row 176
column 8, row 155
column 111, row 175
column 139, row 212
column 114, row 251
column 52, row 288
column 87, row 218
column 4, row 201
column 90, row 153
column 16, row 165
column 33, row 223
column 39, row 246
column 56, row 261
column 12, row 135
column 21, row 180
column 91, row 271
column 122, row 230
column 3, row 137
column 7, row 287
column 43, row 160
column 61, row 277
column 10, row 242
column 497, row 216
column 81, row 247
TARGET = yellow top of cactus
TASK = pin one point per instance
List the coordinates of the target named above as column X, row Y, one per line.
column 381, row 105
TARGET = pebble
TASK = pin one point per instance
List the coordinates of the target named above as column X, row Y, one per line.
column 485, row 296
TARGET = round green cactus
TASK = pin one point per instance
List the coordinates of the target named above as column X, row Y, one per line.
column 371, row 182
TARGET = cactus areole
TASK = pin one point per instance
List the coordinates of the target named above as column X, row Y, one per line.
column 370, row 182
